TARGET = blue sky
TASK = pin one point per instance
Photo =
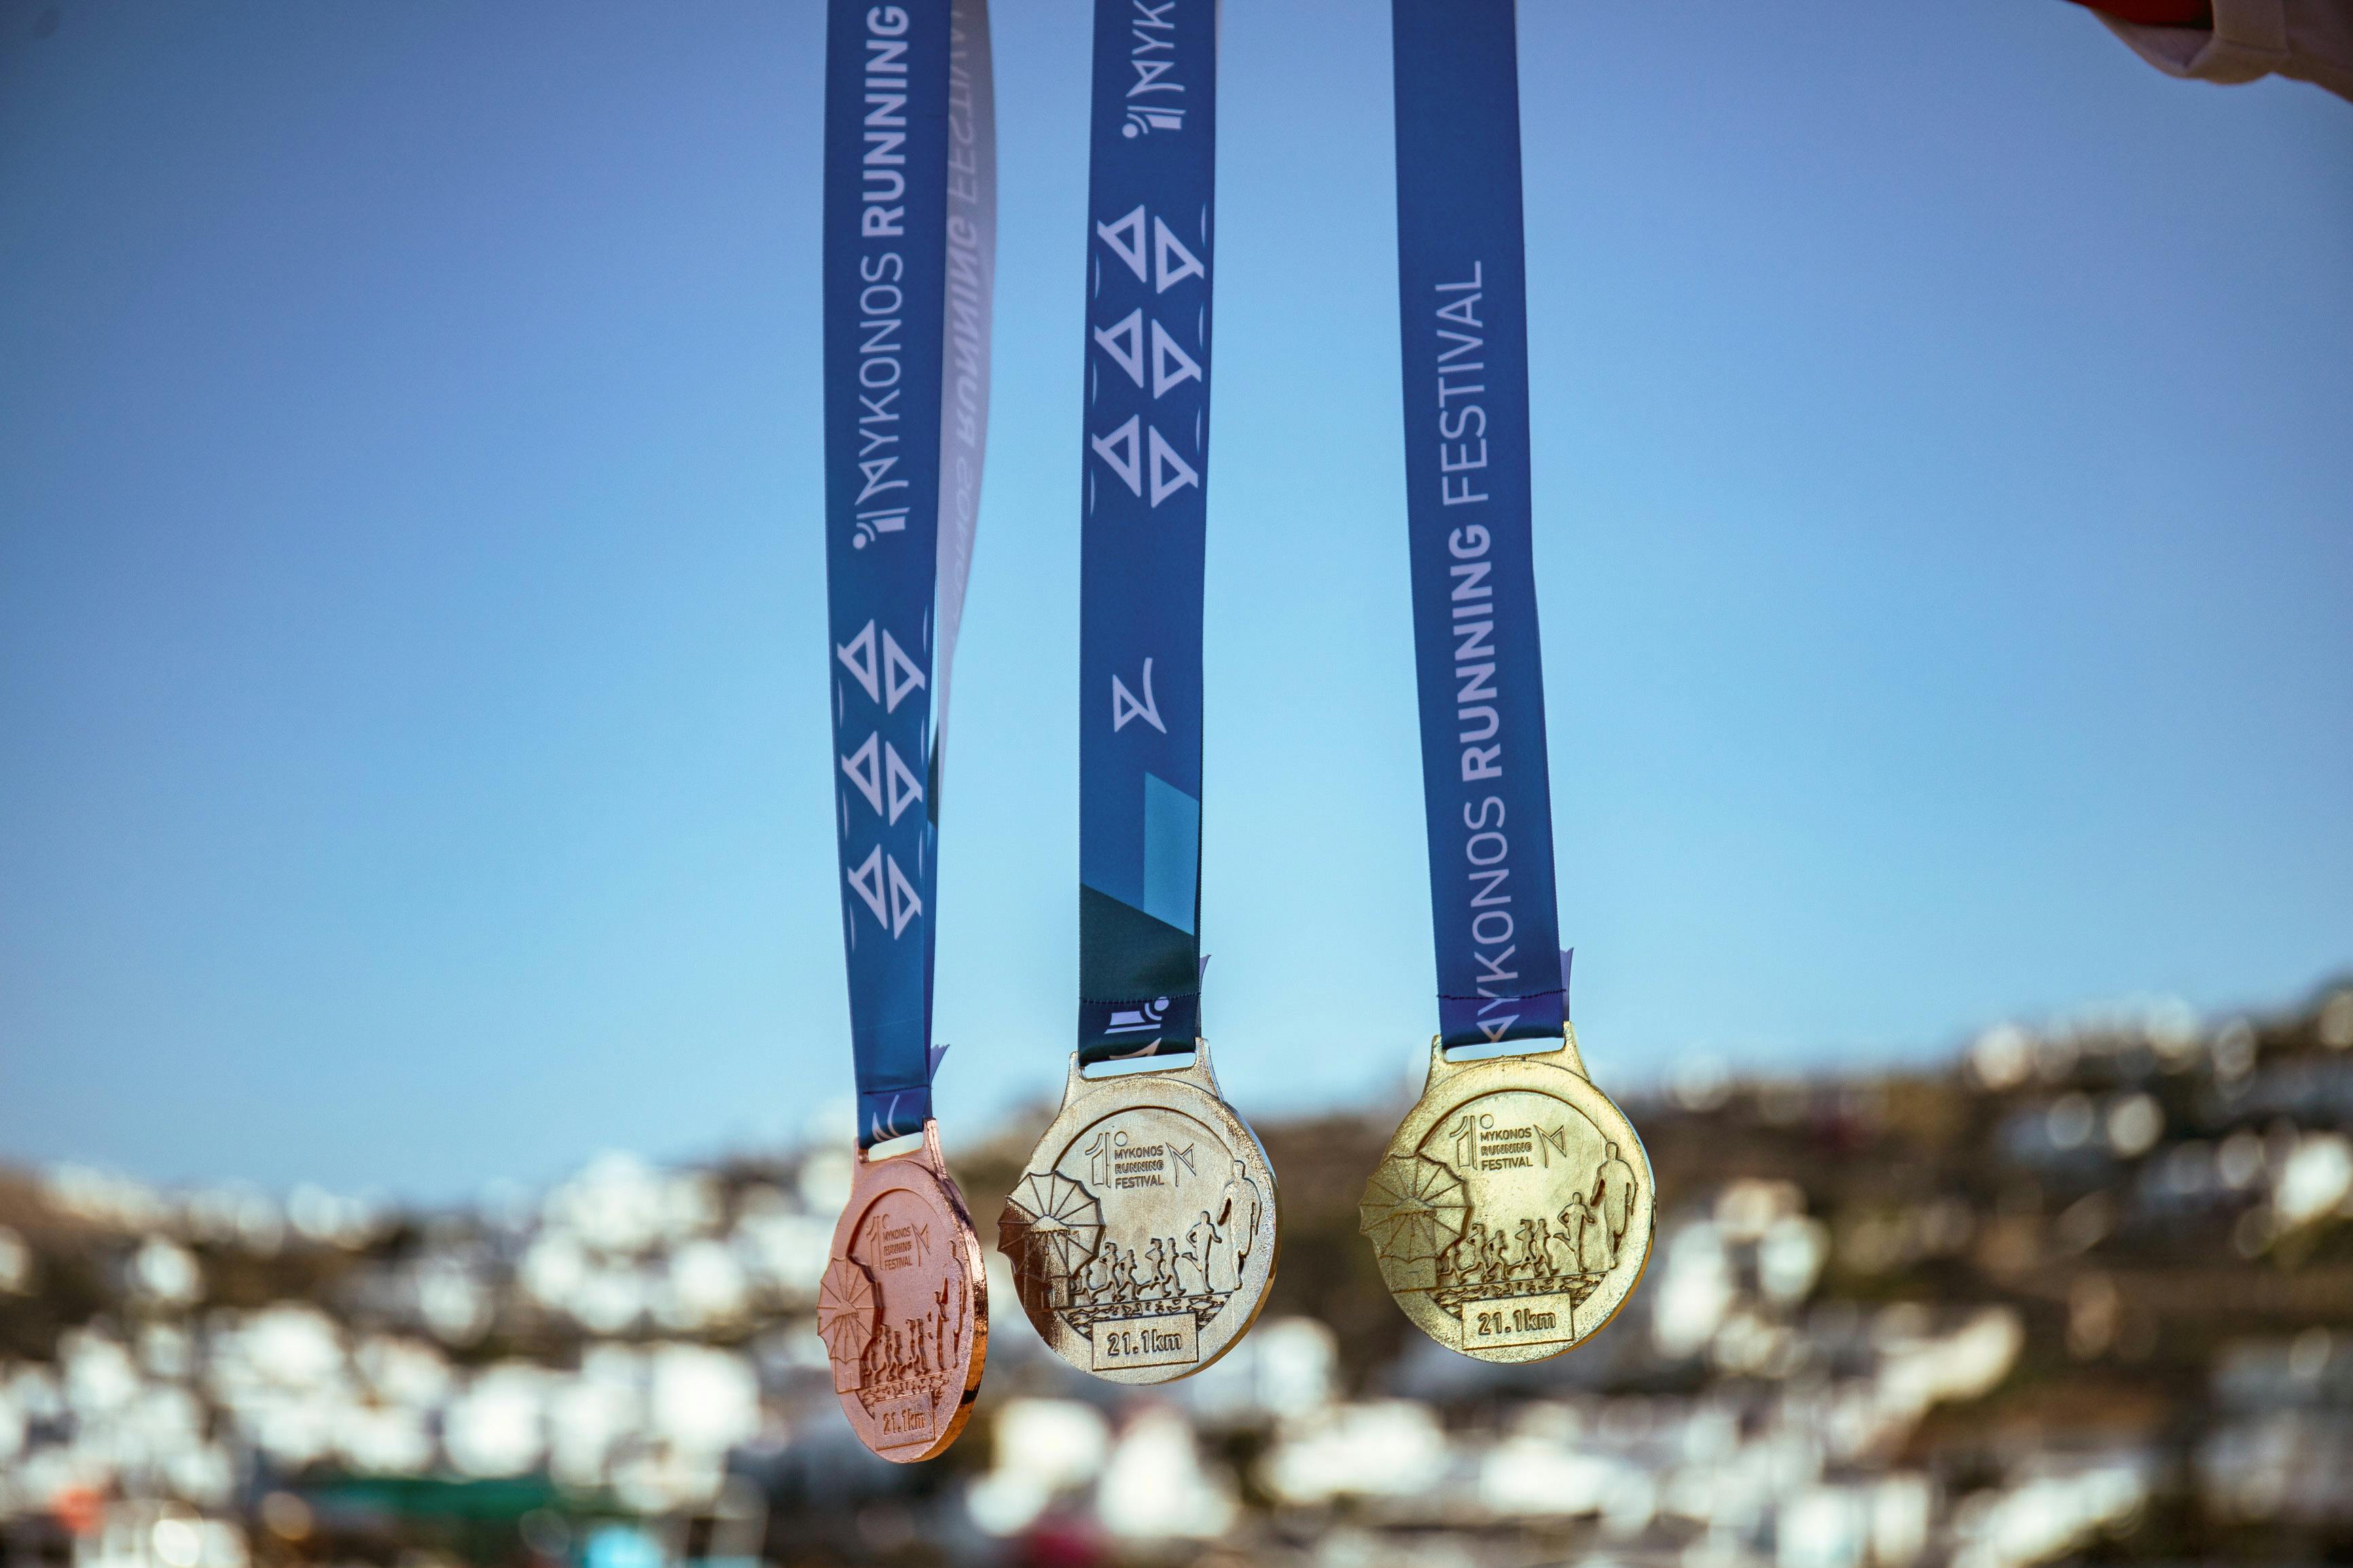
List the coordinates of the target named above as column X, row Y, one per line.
column 413, row 754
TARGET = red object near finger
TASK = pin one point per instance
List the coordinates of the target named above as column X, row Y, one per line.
column 2157, row 12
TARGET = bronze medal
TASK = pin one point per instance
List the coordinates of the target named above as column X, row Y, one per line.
column 904, row 1308
column 1142, row 1232
column 1513, row 1213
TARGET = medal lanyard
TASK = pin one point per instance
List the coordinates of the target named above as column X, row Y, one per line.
column 910, row 243
column 1150, row 197
column 1462, row 302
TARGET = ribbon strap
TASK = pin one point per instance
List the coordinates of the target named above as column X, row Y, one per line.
column 1462, row 303
column 1151, row 193
column 910, row 254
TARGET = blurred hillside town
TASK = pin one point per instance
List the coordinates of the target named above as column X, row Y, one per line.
column 2086, row 1293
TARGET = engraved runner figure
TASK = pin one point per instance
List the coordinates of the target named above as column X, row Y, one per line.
column 1200, row 1259
column 1560, row 1254
column 1593, row 1236
column 1613, row 1197
column 1106, row 1291
column 1150, row 1276
column 1463, row 1256
column 1236, row 1221
column 1465, row 1266
column 1123, row 1274
column 1531, row 1258
column 1575, row 1219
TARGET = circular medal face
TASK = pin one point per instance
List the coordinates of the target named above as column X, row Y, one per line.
column 1143, row 1233
column 1512, row 1214
column 904, row 1307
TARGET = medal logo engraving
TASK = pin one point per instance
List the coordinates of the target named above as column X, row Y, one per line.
column 1508, row 1218
column 1143, row 1233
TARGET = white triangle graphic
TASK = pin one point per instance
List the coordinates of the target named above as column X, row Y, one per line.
column 1125, row 238
column 904, row 675
column 1124, row 705
column 1163, row 243
column 905, row 787
column 857, row 655
column 1118, row 449
column 1170, row 472
column 861, row 767
column 1164, row 349
column 904, row 905
column 1129, row 353
column 866, row 881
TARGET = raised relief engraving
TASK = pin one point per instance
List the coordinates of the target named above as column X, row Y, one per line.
column 845, row 1320
column 1087, row 1263
column 1145, row 1341
column 1141, row 1238
column 1510, row 1221
column 911, row 1335
column 1541, row 1320
column 905, row 1419
column 901, row 1309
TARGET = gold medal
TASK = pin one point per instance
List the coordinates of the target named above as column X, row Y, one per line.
column 1143, row 1233
column 904, row 1308
column 1513, row 1213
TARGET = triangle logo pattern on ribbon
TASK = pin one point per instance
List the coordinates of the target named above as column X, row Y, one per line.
column 1124, row 707
column 1164, row 244
column 906, row 789
column 904, row 675
column 1119, row 450
column 866, row 881
column 1170, row 473
column 1165, row 349
column 884, row 889
column 904, row 905
column 1124, row 344
column 861, row 766
column 857, row 655
column 1125, row 238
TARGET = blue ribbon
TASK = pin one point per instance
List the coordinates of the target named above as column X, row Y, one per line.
column 910, row 241
column 1462, row 302
column 1150, row 199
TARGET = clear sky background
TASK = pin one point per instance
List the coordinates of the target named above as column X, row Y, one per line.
column 412, row 755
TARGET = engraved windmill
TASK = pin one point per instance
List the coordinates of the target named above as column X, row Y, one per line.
column 845, row 1312
column 1051, row 1227
column 1413, row 1208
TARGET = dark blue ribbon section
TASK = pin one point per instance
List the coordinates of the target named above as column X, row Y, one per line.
column 1151, row 194
column 1462, row 305
column 909, row 228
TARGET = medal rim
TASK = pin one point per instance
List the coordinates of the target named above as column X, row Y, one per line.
column 1452, row 1084
column 1087, row 1101
column 923, row 1169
